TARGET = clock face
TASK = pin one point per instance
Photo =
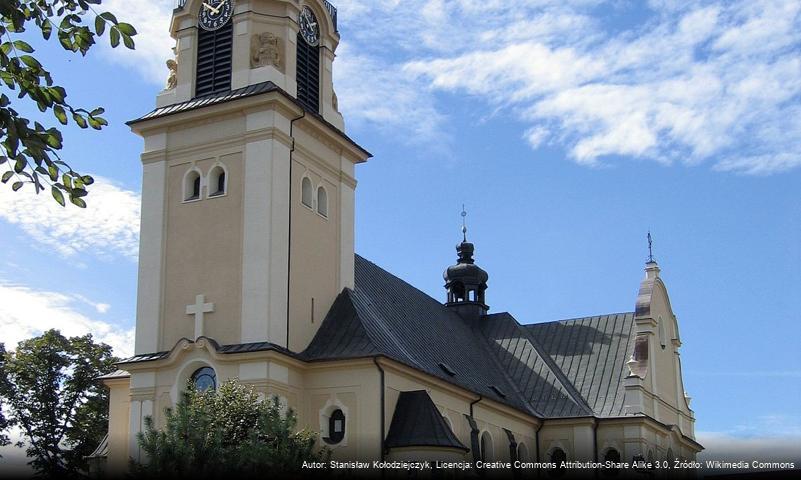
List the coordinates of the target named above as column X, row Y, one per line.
column 309, row 28
column 215, row 13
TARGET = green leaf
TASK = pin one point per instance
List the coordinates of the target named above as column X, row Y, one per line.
column 79, row 120
column 128, row 41
column 7, row 176
column 20, row 165
column 115, row 37
column 110, row 17
column 100, row 25
column 17, row 186
column 58, row 196
column 31, row 62
column 58, row 94
column 87, row 180
column 78, row 202
column 60, row 114
column 22, row 46
column 127, row 29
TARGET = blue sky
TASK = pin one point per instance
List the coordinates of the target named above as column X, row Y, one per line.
column 568, row 128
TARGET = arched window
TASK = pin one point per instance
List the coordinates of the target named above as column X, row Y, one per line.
column 204, row 379
column 457, row 292
column 306, row 192
column 192, row 186
column 611, row 455
column 522, row 452
column 557, row 457
column 322, row 201
column 218, row 182
column 336, row 427
column 486, row 447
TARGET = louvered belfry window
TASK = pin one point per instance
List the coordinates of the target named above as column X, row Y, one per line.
column 214, row 60
column 308, row 75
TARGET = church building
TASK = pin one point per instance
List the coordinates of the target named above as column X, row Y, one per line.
column 247, row 271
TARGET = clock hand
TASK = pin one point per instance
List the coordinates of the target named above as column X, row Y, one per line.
column 209, row 7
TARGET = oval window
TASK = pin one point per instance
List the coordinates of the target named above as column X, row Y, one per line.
column 336, row 426
column 204, row 379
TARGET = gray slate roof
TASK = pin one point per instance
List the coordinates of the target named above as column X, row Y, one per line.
column 557, row 369
column 417, row 423
column 232, row 95
column 592, row 352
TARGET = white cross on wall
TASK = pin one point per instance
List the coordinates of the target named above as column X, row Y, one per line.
column 198, row 309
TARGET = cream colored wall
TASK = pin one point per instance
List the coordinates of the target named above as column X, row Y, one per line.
column 233, row 249
column 316, row 240
column 356, row 390
column 315, row 389
column 118, row 415
column 204, row 251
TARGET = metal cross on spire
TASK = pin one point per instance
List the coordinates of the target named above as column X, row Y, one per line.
column 650, row 248
column 464, row 223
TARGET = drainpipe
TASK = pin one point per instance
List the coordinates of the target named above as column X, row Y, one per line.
column 289, row 230
column 383, row 407
column 480, row 398
column 475, row 444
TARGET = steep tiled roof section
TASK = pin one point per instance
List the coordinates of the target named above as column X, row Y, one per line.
column 417, row 423
column 540, row 381
column 592, row 353
column 208, row 100
column 387, row 316
column 341, row 335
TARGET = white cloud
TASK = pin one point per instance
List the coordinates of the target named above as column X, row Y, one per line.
column 25, row 313
column 108, row 227
column 99, row 307
column 382, row 94
column 151, row 18
column 690, row 82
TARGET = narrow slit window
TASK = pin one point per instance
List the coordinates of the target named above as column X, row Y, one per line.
column 192, row 186
column 306, row 192
column 218, row 182
column 322, row 202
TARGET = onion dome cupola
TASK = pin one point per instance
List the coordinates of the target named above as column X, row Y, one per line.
column 466, row 282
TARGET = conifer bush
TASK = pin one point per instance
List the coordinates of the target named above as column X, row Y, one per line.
column 218, row 433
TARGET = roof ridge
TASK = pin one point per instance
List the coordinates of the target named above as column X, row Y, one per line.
column 575, row 319
column 571, row 390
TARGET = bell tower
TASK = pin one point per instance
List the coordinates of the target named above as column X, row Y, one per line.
column 466, row 282
column 230, row 44
column 249, row 179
